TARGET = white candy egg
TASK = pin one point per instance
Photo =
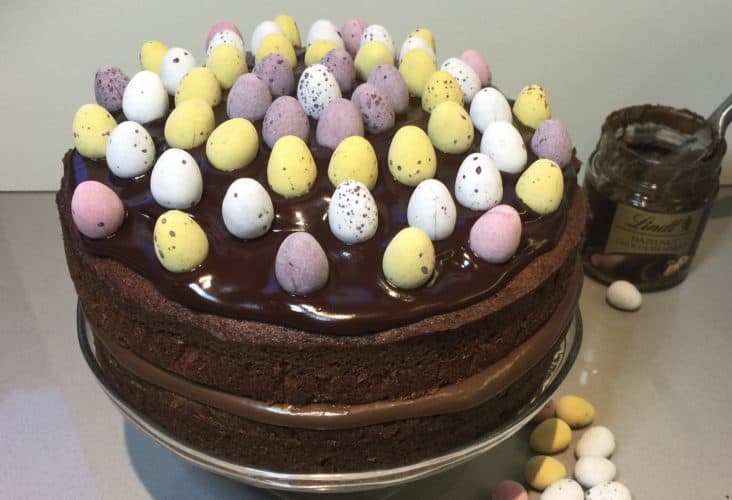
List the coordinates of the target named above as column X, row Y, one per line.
column 504, row 145
column 225, row 36
column 415, row 42
column 130, row 150
column 478, row 185
column 316, row 89
column 176, row 180
column 378, row 33
column 466, row 77
column 176, row 63
column 611, row 490
column 597, row 441
column 564, row 489
column 591, row 471
column 323, row 29
column 352, row 213
column 247, row 209
column 145, row 98
column 489, row 106
column 432, row 209
column 262, row 30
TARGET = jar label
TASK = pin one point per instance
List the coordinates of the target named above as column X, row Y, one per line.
column 635, row 231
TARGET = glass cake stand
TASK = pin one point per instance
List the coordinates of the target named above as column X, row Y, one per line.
column 371, row 484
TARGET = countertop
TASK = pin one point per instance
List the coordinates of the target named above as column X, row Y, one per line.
column 657, row 377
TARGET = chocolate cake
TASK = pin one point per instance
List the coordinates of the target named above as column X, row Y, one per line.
column 358, row 373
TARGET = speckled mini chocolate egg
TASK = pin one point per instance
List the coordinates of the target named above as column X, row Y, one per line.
column 323, row 29
column 371, row 55
column 175, row 181
column 232, row 145
column 551, row 140
column 540, row 471
column 277, row 74
column 284, row 117
column 541, row 186
column 247, row 209
column 416, row 68
column 227, row 63
column 496, row 235
column 354, row 158
column 466, row 77
column 378, row 33
column 151, row 55
column 218, row 27
column 425, row 35
column 489, row 106
column 389, row 81
column 97, row 211
column 180, row 243
column 376, row 109
column 441, row 87
column 274, row 43
column 611, row 490
column 130, row 150
column 412, row 157
column 145, row 98
column 316, row 89
column 91, row 127
column 261, row 31
column 339, row 119
column 409, row 259
column 317, row 51
column 189, row 124
column 340, row 63
column 532, row 106
column 199, row 83
column 450, row 128
column 564, row 489
column 225, row 36
column 477, row 62
column 415, row 42
column 301, row 266
column 432, row 209
column 289, row 28
column 291, row 169
column 249, row 98
column 478, row 184
column 504, row 145
column 351, row 32
column 176, row 63
column 109, row 87
column 352, row 213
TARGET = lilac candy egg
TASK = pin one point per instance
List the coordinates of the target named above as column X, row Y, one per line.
column 495, row 236
column 96, row 209
column 284, row 117
column 249, row 98
column 509, row 490
column 109, row 87
column 301, row 266
column 221, row 26
column 351, row 32
column 376, row 109
column 551, row 140
column 276, row 72
column 390, row 82
column 476, row 61
column 340, row 63
column 339, row 119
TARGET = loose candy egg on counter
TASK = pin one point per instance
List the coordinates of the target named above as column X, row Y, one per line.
column 316, row 89
column 425, row 35
column 130, row 150
column 416, row 68
column 409, row 259
column 376, row 109
column 378, row 33
column 189, row 124
column 532, row 106
column 390, row 82
column 591, row 471
column 352, row 213
column 275, row 43
column 624, row 295
column 152, row 54
column 323, row 29
column 247, row 209
column 249, row 98
column 261, row 31
column 199, row 83
column 432, row 209
column 477, row 62
column 291, row 169
column 180, row 243
column 317, row 50
column 597, row 441
column 339, row 119
column 176, row 63
column 219, row 27
column 371, row 55
column 495, row 236
column 340, row 63
column 551, row 140
column 96, row 210
column 503, row 143
column 564, row 489
column 608, row 491
column 478, row 184
column 232, row 145
column 301, row 266
column 284, row 117
column 489, row 106
column 576, row 411
column 91, row 127
column 541, row 471
column 551, row 436
column 109, row 87
column 225, row 36
column 509, row 490
column 441, row 87
column 145, row 98
column 175, row 181
column 354, row 158
column 276, row 73
column 466, row 77
column 351, row 32
column 289, row 28
column 541, row 186
column 412, row 157
column 227, row 63
column 450, row 128
column 415, row 42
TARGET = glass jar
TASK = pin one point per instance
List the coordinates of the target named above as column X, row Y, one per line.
column 648, row 203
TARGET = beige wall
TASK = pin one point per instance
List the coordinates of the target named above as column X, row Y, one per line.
column 591, row 56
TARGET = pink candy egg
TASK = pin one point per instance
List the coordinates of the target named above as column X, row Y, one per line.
column 301, row 266
column 495, row 236
column 390, row 82
column 339, row 119
column 476, row 61
column 285, row 117
column 249, row 98
column 340, row 63
column 221, row 26
column 351, row 32
column 96, row 209
column 277, row 73
column 376, row 109
column 509, row 490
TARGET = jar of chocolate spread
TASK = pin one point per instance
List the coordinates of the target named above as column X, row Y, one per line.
column 649, row 195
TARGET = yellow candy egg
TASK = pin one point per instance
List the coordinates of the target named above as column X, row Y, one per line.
column 412, row 157
column 440, row 87
column 532, row 106
column 551, row 436
column 92, row 125
column 317, row 50
column 232, row 145
column 354, row 158
column 289, row 27
column 541, row 471
column 227, row 63
column 541, row 186
column 409, row 259
column 152, row 54
column 425, row 35
column 291, row 169
column 416, row 68
column 371, row 55
column 576, row 411
column 274, row 43
column 180, row 243
column 450, row 128
column 199, row 83
column 190, row 124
